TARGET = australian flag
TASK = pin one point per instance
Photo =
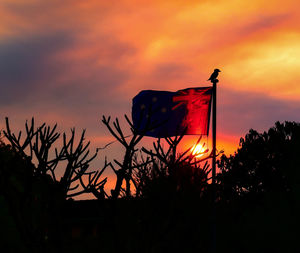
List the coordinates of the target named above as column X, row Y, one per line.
column 165, row 114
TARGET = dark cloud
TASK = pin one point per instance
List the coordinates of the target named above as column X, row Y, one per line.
column 239, row 111
column 36, row 80
column 26, row 64
column 40, row 8
column 31, row 71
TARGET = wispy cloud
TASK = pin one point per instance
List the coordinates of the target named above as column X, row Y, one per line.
column 73, row 61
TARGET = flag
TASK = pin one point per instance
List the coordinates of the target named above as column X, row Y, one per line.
column 166, row 114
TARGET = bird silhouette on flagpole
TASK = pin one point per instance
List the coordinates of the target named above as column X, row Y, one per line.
column 214, row 75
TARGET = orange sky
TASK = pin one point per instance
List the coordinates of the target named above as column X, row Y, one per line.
column 72, row 61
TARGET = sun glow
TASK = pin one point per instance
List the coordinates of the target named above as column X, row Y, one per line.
column 199, row 150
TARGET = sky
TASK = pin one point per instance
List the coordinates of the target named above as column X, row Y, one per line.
column 70, row 62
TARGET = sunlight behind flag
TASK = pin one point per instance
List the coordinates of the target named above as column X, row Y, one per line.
column 199, row 150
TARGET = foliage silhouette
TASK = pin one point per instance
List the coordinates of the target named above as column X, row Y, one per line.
column 257, row 206
column 29, row 183
column 124, row 173
column 164, row 181
column 37, row 147
column 265, row 162
column 175, row 171
column 171, row 173
column 259, row 192
column 15, row 180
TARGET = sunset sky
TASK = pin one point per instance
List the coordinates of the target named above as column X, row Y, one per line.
column 72, row 61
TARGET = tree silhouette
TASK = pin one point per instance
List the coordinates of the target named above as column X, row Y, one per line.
column 29, row 169
column 169, row 172
column 126, row 167
column 15, row 188
column 258, row 192
column 164, row 167
column 257, row 207
column 264, row 162
column 37, row 147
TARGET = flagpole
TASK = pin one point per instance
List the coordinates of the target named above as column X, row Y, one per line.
column 214, row 131
column 213, row 182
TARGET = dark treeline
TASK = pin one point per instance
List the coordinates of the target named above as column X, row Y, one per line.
column 162, row 200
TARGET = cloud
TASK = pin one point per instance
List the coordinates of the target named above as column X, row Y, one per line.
column 26, row 64
column 241, row 110
column 60, row 69
column 262, row 23
column 170, row 70
column 71, row 62
column 59, row 78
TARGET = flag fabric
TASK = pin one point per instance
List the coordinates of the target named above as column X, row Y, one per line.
column 165, row 114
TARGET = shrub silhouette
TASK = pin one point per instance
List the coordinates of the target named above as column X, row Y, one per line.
column 265, row 162
column 37, row 147
column 168, row 173
column 15, row 186
column 161, row 171
column 259, row 192
column 30, row 185
column 257, row 207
